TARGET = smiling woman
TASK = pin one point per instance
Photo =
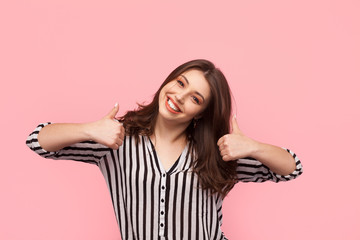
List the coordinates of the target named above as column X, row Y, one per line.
column 181, row 92
column 169, row 164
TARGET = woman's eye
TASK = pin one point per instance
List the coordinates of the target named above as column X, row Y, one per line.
column 196, row 100
column 180, row 83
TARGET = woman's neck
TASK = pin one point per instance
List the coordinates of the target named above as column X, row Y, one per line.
column 169, row 132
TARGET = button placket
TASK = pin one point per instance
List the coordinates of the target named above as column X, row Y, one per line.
column 162, row 203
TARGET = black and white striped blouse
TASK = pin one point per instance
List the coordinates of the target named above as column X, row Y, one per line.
column 150, row 202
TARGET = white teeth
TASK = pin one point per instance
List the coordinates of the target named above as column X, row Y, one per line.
column 173, row 107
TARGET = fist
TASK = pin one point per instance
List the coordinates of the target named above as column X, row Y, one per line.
column 235, row 145
column 108, row 131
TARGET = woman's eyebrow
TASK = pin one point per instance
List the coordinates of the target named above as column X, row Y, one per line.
column 187, row 81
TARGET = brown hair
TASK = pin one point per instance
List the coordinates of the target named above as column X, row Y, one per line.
column 215, row 174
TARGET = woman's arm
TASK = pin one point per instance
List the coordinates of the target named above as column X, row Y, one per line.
column 277, row 159
column 56, row 136
column 106, row 131
column 237, row 146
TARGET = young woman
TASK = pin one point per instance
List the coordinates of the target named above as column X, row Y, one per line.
column 169, row 164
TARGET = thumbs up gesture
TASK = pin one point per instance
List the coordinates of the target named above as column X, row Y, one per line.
column 108, row 131
column 236, row 145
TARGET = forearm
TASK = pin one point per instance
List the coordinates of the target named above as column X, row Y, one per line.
column 277, row 159
column 54, row 137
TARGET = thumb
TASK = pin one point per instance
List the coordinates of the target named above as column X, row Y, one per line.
column 113, row 111
column 235, row 126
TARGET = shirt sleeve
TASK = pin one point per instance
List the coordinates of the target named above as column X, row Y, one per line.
column 87, row 151
column 252, row 170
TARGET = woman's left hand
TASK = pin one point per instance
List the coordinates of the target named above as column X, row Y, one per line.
column 236, row 145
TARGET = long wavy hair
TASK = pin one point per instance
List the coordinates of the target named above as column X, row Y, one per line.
column 214, row 174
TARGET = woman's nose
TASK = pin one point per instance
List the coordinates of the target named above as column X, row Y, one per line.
column 179, row 98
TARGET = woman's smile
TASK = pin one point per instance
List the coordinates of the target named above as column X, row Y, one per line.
column 172, row 106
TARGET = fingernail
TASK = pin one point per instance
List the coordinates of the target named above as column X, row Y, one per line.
column 116, row 104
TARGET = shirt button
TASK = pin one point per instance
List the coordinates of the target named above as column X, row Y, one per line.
column 161, row 224
column 163, row 187
column 162, row 212
column 164, row 175
column 162, row 200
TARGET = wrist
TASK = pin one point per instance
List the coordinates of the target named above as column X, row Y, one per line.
column 256, row 148
column 86, row 131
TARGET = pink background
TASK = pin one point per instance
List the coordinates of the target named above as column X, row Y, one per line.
column 294, row 71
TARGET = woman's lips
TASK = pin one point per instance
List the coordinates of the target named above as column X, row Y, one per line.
column 172, row 106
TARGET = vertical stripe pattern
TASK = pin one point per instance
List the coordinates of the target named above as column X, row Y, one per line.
column 150, row 202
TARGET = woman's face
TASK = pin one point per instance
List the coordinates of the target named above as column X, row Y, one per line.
column 185, row 97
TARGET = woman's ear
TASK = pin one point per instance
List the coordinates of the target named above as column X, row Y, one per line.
column 198, row 117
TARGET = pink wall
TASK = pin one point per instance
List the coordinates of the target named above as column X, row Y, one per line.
column 293, row 67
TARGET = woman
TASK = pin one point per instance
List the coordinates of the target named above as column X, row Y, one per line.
column 169, row 164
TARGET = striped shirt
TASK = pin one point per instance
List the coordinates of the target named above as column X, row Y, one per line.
column 150, row 202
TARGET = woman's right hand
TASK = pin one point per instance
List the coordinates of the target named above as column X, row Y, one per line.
column 107, row 131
